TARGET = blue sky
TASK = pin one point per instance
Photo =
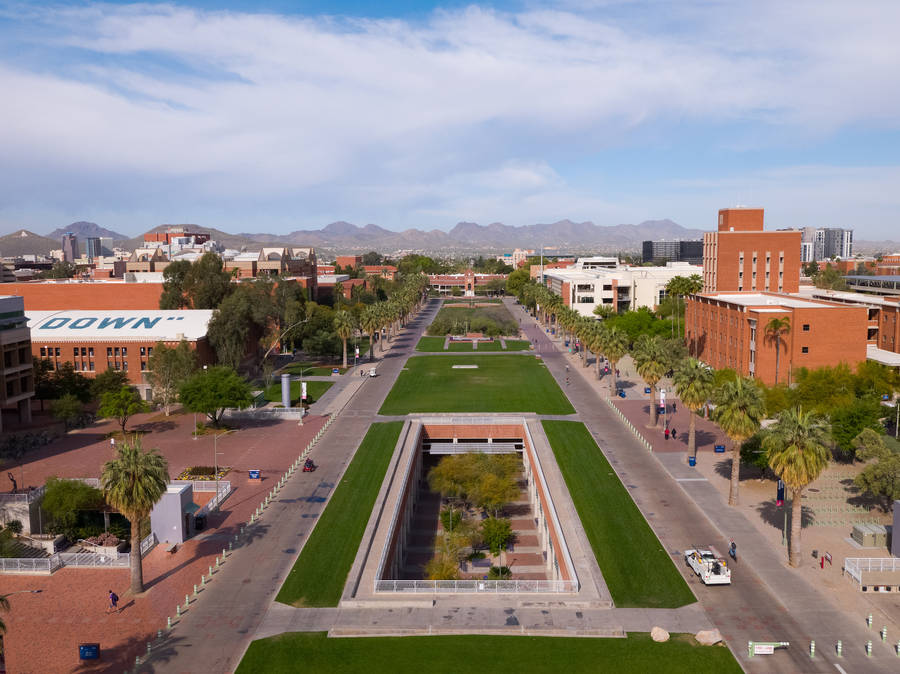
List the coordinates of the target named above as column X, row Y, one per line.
column 279, row 116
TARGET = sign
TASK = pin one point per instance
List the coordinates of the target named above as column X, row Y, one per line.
column 885, row 396
column 646, row 389
column 254, row 474
column 89, row 651
column 779, row 498
column 335, row 370
column 357, row 352
column 303, row 390
column 720, row 449
column 662, row 396
column 763, row 649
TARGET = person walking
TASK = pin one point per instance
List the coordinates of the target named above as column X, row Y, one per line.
column 674, row 407
column 674, row 433
column 113, row 602
column 732, row 551
column 667, row 432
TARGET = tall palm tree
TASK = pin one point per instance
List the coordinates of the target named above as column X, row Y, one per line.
column 694, row 384
column 4, row 606
column 133, row 483
column 797, row 451
column 344, row 325
column 739, row 409
column 775, row 329
column 368, row 321
column 595, row 343
column 651, row 363
column 615, row 346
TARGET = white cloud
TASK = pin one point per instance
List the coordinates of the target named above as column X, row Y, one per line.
column 468, row 110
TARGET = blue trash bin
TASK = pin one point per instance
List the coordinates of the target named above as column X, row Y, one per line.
column 692, row 460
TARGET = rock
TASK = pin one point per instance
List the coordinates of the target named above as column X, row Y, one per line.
column 659, row 634
column 708, row 637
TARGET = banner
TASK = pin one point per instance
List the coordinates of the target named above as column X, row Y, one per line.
column 779, row 495
column 303, row 390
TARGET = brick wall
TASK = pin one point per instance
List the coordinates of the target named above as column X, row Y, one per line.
column 87, row 296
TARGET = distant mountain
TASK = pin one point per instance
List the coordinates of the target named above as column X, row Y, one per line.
column 84, row 230
column 24, row 242
column 864, row 247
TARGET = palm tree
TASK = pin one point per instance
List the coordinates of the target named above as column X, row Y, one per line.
column 694, row 383
column 615, row 345
column 651, row 363
column 344, row 326
column 796, row 446
column 133, row 483
column 739, row 409
column 775, row 328
column 369, row 323
column 4, row 606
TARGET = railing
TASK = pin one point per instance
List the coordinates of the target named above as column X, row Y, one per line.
column 28, row 564
column 148, row 543
column 92, row 559
column 856, row 566
column 25, row 497
column 263, row 413
column 477, row 586
column 215, row 501
column 204, row 485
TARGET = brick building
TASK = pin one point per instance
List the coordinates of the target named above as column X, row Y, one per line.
column 387, row 271
column 728, row 330
column 888, row 265
column 535, row 270
column 466, row 282
column 170, row 233
column 16, row 370
column 741, row 256
column 95, row 341
column 345, row 261
column 91, row 295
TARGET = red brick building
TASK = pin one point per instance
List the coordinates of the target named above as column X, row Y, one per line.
column 93, row 295
column 175, row 233
column 467, row 282
column 728, row 330
column 888, row 265
column 345, row 261
column 741, row 256
column 387, row 271
column 97, row 340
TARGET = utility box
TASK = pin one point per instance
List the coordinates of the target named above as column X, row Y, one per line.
column 864, row 535
column 172, row 518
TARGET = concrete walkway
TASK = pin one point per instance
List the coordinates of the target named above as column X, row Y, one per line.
column 767, row 601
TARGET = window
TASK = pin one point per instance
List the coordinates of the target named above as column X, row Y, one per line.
column 124, row 351
column 76, row 352
column 116, row 366
column 91, row 351
column 57, row 351
column 109, row 352
column 83, row 351
column 125, row 365
column 149, row 351
column 143, row 365
column 804, row 349
column 143, row 351
column 43, row 351
column 116, row 351
column 91, row 366
column 806, row 327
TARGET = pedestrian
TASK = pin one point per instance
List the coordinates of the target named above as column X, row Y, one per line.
column 617, row 372
column 112, row 444
column 732, row 551
column 567, row 369
column 667, row 432
column 113, row 602
column 674, row 433
column 674, row 408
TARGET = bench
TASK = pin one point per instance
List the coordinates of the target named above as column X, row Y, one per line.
column 171, row 549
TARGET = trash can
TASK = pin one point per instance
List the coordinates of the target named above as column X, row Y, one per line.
column 692, row 460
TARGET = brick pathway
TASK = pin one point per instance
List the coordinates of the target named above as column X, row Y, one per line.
column 44, row 630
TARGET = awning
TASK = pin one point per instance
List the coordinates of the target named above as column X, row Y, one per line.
column 191, row 508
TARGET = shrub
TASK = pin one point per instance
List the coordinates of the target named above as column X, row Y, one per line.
column 499, row 573
column 14, row 526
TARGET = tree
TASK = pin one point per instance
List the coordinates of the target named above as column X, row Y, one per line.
column 493, row 491
column 881, row 477
column 207, row 283
column 4, row 606
column 693, row 382
column 67, row 409
column 44, row 384
column 739, row 410
column 369, row 323
column 169, row 367
column 240, row 320
column 373, row 258
column 775, row 330
column 830, row 278
column 214, row 390
column 497, row 533
column 344, row 325
column 650, row 361
column 615, row 346
column 516, row 280
column 67, row 381
column 173, row 294
column 133, row 483
column 848, row 421
column 109, row 380
column 797, row 454
column 64, row 500
column 60, row 270
column 121, row 405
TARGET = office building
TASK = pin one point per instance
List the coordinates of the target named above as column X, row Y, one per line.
column 824, row 243
column 730, row 330
column 16, row 370
column 673, row 251
column 741, row 256
column 92, row 248
column 70, row 247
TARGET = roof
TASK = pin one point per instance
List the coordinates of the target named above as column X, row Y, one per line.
column 145, row 326
column 767, row 302
column 882, row 356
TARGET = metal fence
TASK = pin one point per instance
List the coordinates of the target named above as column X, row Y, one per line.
column 214, row 503
column 92, row 559
column 148, row 543
column 24, row 497
column 205, row 485
column 477, row 586
column 28, row 564
column 856, row 566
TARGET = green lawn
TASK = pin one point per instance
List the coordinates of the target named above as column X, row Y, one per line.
column 636, row 568
column 460, row 346
column 314, row 391
column 502, row 383
column 320, row 572
column 493, row 319
column 518, row 345
column 430, row 344
column 524, row 655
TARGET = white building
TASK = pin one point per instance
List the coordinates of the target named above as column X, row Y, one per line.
column 590, row 284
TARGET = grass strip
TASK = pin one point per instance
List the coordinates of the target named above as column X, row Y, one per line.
column 499, row 383
column 517, row 345
column 636, row 568
column 636, row 653
column 319, row 575
column 430, row 344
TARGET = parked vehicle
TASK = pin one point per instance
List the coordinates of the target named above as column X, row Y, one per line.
column 712, row 569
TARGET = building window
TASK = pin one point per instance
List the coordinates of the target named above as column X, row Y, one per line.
column 116, row 351
column 76, row 352
column 143, row 351
column 149, row 351
column 143, row 365
column 43, row 351
column 806, row 327
column 91, row 351
column 125, row 365
column 109, row 352
column 116, row 366
column 124, row 351
column 57, row 352
column 804, row 349
column 83, row 351
column 91, row 366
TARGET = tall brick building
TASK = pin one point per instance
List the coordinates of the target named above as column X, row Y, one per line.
column 741, row 256
column 729, row 330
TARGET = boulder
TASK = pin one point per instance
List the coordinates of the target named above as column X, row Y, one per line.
column 708, row 637
column 659, row 634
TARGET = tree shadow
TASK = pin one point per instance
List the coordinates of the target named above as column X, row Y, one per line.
column 122, row 656
column 774, row 516
column 155, row 427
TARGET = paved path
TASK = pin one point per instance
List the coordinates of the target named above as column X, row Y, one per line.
column 767, row 601
column 215, row 633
